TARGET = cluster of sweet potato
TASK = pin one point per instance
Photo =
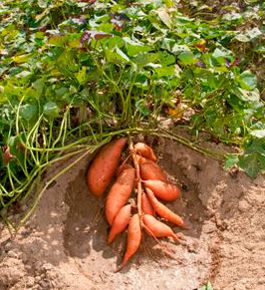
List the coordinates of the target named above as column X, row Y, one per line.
column 140, row 177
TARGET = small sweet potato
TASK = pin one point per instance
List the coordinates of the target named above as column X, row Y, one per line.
column 120, row 222
column 146, row 205
column 150, row 170
column 133, row 239
column 163, row 190
column 158, row 229
column 145, row 151
column 164, row 211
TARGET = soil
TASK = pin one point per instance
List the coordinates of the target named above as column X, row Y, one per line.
column 63, row 245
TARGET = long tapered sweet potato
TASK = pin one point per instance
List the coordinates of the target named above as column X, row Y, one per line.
column 158, row 229
column 145, row 151
column 164, row 211
column 146, row 205
column 151, row 170
column 163, row 190
column 103, row 167
column 119, row 193
column 120, row 222
column 133, row 239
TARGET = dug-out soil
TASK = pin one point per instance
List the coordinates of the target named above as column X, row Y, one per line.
column 63, row 245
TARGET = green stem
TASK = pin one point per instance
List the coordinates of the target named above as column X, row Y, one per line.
column 188, row 143
column 32, row 209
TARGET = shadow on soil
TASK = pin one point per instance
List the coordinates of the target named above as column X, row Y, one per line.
column 206, row 196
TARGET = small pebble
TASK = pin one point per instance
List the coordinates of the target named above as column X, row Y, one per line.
column 30, row 282
column 44, row 284
column 13, row 254
column 243, row 205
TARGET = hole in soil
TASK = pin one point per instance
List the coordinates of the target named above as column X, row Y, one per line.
column 86, row 230
column 67, row 234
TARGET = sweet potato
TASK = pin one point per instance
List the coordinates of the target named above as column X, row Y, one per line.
column 122, row 167
column 145, row 151
column 163, row 190
column 163, row 211
column 133, row 239
column 150, row 170
column 146, row 205
column 158, row 229
column 103, row 167
column 119, row 193
column 120, row 222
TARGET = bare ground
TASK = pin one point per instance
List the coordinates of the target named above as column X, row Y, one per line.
column 63, row 246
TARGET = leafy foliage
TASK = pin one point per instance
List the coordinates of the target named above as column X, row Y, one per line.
column 75, row 68
column 208, row 286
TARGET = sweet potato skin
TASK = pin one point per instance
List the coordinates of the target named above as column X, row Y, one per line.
column 120, row 222
column 163, row 190
column 146, row 205
column 121, row 168
column 158, row 229
column 145, row 151
column 119, row 193
column 151, row 170
column 133, row 239
column 103, row 167
column 164, row 211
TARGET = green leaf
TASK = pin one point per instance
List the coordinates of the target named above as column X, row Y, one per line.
column 255, row 145
column 176, row 49
column 43, row 3
column 247, row 96
column 220, row 55
column 39, row 85
column 143, row 59
column 117, row 55
column 135, row 47
column 248, row 80
column 187, row 58
column 208, row 286
column 82, row 76
column 28, row 112
column 258, row 133
column 166, row 58
column 260, row 49
column 164, row 17
column 231, row 160
column 142, row 108
column 252, row 164
column 166, row 71
column 122, row 55
column 50, row 109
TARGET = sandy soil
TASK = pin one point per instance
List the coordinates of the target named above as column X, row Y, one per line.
column 63, row 246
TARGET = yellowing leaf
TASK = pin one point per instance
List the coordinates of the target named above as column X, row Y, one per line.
column 74, row 43
column 177, row 112
column 164, row 17
column 21, row 58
